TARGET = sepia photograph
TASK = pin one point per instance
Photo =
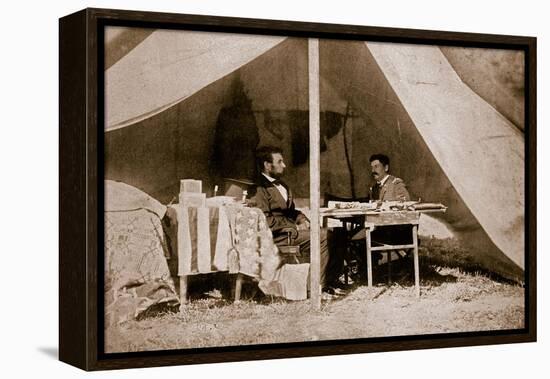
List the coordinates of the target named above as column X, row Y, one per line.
column 231, row 189
column 268, row 189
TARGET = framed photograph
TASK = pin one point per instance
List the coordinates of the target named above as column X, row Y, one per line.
column 241, row 189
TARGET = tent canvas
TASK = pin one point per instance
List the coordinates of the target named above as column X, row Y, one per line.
column 165, row 96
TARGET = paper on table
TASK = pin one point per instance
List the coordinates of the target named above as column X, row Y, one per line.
column 218, row 201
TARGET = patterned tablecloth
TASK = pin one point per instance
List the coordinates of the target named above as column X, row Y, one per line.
column 230, row 238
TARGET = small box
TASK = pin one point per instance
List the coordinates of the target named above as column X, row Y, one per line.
column 190, row 199
column 190, row 185
column 294, row 281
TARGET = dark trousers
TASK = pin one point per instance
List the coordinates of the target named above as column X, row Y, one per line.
column 303, row 240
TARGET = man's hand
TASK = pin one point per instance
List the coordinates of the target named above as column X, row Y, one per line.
column 302, row 223
column 303, row 226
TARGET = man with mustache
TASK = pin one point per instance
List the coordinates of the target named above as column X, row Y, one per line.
column 387, row 187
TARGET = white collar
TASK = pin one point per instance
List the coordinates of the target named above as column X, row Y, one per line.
column 269, row 177
column 282, row 190
column 381, row 183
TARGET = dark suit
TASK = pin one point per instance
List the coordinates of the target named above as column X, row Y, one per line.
column 282, row 217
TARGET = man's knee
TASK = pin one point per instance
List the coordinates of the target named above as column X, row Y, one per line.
column 302, row 237
column 324, row 234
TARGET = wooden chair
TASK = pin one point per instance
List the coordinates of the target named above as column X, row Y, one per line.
column 289, row 253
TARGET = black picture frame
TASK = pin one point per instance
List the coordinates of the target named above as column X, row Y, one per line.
column 81, row 190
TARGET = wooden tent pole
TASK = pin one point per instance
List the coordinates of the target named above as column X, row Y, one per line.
column 314, row 171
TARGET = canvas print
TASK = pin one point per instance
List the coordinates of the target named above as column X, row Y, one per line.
column 207, row 173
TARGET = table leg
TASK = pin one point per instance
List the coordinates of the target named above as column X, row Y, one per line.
column 183, row 291
column 369, row 257
column 389, row 256
column 416, row 265
column 347, row 254
column 238, row 287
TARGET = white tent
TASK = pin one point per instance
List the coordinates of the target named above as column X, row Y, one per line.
column 164, row 98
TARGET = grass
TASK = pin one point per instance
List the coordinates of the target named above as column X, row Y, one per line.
column 456, row 296
column 449, row 253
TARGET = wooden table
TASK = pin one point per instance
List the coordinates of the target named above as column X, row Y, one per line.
column 231, row 238
column 373, row 219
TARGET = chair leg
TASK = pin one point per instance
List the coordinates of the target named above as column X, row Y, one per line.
column 369, row 257
column 345, row 270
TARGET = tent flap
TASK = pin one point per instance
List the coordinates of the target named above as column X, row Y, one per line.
column 169, row 66
column 479, row 150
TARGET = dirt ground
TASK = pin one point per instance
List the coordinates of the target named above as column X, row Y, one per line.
column 452, row 300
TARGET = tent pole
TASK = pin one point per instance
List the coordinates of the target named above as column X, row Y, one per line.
column 314, row 171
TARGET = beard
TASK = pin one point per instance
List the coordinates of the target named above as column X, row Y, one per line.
column 276, row 175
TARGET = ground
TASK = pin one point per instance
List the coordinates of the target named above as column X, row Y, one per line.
column 453, row 299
